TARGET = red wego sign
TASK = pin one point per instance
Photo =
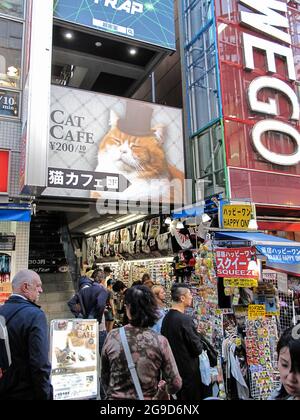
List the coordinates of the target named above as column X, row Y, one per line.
column 233, row 262
column 258, row 47
column 4, row 168
column 269, row 18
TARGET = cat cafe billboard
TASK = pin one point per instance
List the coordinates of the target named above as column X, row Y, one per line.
column 106, row 147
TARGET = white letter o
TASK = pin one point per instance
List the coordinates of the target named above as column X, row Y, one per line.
column 272, row 125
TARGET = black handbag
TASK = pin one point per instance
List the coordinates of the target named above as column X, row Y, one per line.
column 211, row 352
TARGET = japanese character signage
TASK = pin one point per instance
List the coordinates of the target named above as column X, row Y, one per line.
column 256, row 311
column 106, row 147
column 233, row 262
column 149, row 21
column 83, row 180
column 280, row 254
column 238, row 282
column 235, row 216
column 74, row 358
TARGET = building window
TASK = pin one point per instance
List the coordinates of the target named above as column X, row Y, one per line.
column 11, row 34
column 208, row 159
column 14, row 8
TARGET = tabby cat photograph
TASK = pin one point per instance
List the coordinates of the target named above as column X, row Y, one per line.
column 135, row 149
column 104, row 147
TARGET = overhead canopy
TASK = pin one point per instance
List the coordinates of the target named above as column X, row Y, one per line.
column 14, row 215
column 277, row 250
column 191, row 211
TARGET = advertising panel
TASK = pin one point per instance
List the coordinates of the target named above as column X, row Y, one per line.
column 149, row 21
column 106, row 147
column 9, row 103
column 4, row 172
column 12, row 8
column 258, row 50
column 233, row 262
column 74, row 358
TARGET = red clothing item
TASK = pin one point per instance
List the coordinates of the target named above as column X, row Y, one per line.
column 152, row 356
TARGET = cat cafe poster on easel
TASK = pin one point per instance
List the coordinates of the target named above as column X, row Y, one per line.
column 107, row 147
column 74, row 352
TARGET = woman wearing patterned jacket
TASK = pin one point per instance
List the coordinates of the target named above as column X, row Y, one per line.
column 151, row 352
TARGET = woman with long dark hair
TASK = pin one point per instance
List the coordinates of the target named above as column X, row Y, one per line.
column 151, row 352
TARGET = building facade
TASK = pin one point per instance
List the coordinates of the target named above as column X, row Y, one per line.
column 242, row 84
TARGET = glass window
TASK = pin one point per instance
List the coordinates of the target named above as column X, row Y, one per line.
column 208, row 154
column 9, row 103
column 10, row 54
column 12, row 8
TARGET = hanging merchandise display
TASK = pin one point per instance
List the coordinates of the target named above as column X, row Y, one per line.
column 5, row 277
column 147, row 239
column 262, row 337
column 130, row 271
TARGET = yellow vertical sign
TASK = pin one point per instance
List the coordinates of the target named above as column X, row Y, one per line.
column 236, row 216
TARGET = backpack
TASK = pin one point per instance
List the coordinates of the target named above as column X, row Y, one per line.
column 76, row 306
column 5, row 354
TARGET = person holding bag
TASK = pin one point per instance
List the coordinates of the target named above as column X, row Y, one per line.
column 138, row 363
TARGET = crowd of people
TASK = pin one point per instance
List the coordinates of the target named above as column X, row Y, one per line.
column 163, row 343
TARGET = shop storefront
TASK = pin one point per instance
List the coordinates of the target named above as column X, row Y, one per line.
column 14, row 243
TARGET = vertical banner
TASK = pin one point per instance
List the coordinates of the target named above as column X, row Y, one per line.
column 74, row 358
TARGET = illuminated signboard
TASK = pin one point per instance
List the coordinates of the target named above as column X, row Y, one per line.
column 258, row 63
column 149, row 21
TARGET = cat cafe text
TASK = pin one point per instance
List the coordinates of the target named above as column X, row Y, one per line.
column 69, row 128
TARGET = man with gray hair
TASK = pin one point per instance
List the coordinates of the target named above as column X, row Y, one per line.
column 28, row 377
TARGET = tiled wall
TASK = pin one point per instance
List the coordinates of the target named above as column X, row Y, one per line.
column 22, row 245
column 10, row 138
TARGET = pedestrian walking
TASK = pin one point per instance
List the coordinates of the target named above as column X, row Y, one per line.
column 160, row 296
column 28, row 377
column 185, row 343
column 151, row 353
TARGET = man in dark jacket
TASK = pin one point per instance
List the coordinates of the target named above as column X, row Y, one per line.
column 28, row 377
column 185, row 343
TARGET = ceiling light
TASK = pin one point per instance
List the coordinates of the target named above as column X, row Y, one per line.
column 253, row 224
column 98, row 44
column 205, row 218
column 114, row 225
column 168, row 221
column 68, row 35
column 133, row 51
column 91, row 232
column 130, row 218
column 252, row 266
column 180, row 225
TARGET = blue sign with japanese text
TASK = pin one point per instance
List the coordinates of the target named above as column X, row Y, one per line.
column 280, row 254
column 149, row 21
